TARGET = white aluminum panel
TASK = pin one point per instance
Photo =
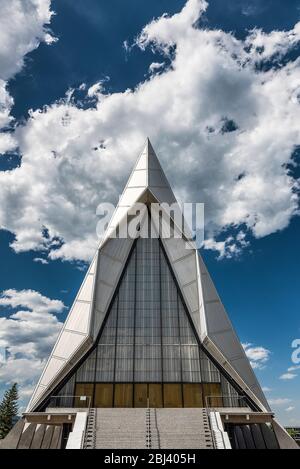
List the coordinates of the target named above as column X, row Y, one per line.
column 108, row 269
column 130, row 196
column 250, row 379
column 78, row 319
column 153, row 162
column 86, row 291
column 92, row 269
column 53, row 367
column 68, row 344
column 118, row 216
column 238, row 365
column 186, row 269
column 138, row 179
column 142, row 162
column 217, row 321
column 98, row 320
column 203, row 268
column 227, row 344
column 118, row 248
column 103, row 294
column 191, row 293
column 202, row 322
column 177, row 248
column 157, row 179
column 203, row 325
column 209, row 291
column 148, row 158
column 39, row 391
column 163, row 194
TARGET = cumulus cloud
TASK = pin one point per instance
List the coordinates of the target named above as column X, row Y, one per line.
column 31, row 300
column 258, row 356
column 23, row 26
column 27, row 335
column 41, row 260
column 290, row 408
column 290, row 373
column 294, row 368
column 280, row 401
column 224, row 126
column 288, row 376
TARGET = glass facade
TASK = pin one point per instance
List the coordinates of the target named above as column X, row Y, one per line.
column 147, row 352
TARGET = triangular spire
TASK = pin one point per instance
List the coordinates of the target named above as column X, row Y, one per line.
column 149, row 174
column 146, row 178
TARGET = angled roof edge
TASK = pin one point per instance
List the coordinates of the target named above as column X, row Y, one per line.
column 216, row 324
column 214, row 351
column 78, row 322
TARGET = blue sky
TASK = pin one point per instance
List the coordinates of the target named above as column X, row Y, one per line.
column 93, row 41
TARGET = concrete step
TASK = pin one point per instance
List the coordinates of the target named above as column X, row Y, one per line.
column 152, row 428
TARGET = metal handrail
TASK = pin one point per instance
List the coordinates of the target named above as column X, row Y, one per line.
column 222, row 397
column 81, row 398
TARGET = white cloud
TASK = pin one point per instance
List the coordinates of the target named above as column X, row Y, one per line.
column 294, row 368
column 30, row 299
column 22, row 29
column 280, row 401
column 27, row 336
column 290, row 408
column 95, row 90
column 81, row 157
column 6, row 103
column 41, row 260
column 264, row 46
column 230, row 247
column 258, row 356
column 156, row 66
column 266, row 389
column 288, row 376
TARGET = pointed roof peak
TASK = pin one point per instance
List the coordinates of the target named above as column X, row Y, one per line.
column 147, row 178
column 149, row 146
column 148, row 159
column 148, row 174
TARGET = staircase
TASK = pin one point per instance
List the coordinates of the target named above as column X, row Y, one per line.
column 184, row 429
column 121, row 428
column 152, row 429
